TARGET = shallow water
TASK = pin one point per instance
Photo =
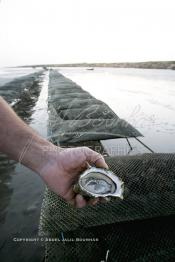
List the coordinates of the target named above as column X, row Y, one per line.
column 143, row 97
column 9, row 74
column 21, row 196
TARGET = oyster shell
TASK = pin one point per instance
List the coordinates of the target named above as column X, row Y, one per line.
column 99, row 182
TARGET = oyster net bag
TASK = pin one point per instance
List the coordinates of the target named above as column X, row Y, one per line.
column 138, row 228
column 15, row 89
column 76, row 116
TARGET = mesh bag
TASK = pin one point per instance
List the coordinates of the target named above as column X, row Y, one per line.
column 73, row 103
column 138, row 228
column 88, row 112
column 72, row 131
column 15, row 89
column 76, row 116
column 80, row 95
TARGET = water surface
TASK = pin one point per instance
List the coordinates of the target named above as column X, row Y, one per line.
column 143, row 97
column 21, row 192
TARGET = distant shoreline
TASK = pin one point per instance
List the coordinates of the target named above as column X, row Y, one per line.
column 142, row 65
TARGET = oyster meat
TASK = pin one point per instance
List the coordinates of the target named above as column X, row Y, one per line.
column 99, row 182
column 98, row 186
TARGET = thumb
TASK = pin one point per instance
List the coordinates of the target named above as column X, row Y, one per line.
column 94, row 158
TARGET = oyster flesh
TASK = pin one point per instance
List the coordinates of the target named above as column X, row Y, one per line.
column 99, row 182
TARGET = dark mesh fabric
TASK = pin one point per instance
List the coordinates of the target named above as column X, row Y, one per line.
column 73, row 103
column 20, row 87
column 76, row 116
column 138, row 228
column 139, row 241
column 80, row 95
column 70, row 90
column 72, row 131
column 88, row 112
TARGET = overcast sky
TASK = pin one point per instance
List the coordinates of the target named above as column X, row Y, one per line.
column 63, row 31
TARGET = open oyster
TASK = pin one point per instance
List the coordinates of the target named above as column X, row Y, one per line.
column 99, row 182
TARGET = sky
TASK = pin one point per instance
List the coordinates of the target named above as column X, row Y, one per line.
column 73, row 31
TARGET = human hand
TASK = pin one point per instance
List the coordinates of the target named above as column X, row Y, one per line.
column 59, row 168
column 62, row 168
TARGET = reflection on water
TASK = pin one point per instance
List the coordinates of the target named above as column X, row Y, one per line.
column 9, row 74
column 6, row 168
column 40, row 114
column 21, row 190
column 143, row 97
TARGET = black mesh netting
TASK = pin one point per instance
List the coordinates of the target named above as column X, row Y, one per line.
column 76, row 116
column 75, row 103
column 88, row 112
column 138, row 228
column 20, row 87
